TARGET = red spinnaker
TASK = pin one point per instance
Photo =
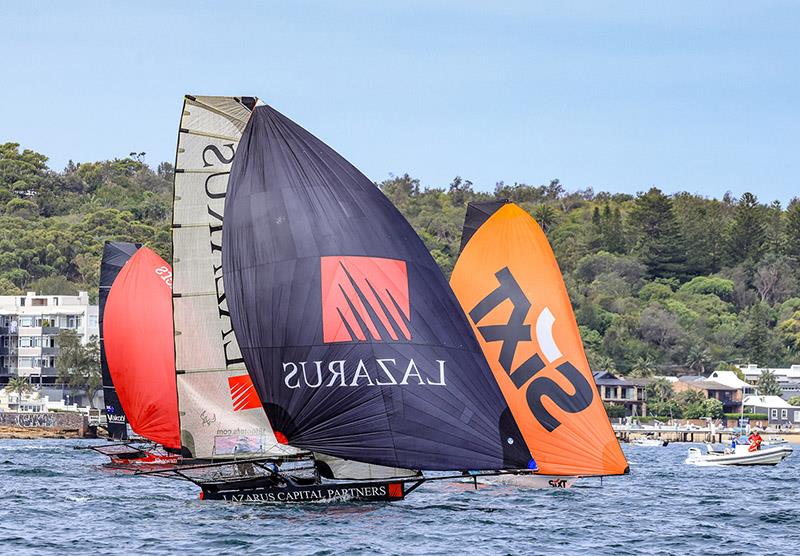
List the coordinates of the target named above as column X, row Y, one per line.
column 139, row 347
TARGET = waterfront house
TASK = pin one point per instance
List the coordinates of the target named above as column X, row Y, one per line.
column 788, row 378
column 630, row 393
column 729, row 378
column 777, row 410
column 730, row 396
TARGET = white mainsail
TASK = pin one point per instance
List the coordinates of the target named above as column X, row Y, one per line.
column 220, row 413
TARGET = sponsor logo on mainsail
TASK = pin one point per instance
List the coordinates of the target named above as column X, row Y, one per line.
column 243, row 393
column 216, row 188
column 515, row 331
column 364, row 298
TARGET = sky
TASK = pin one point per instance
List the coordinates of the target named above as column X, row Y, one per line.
column 618, row 96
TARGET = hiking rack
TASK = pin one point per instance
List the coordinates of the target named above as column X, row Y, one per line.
column 250, row 470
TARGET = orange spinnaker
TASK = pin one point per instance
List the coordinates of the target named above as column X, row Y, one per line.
column 139, row 345
column 509, row 285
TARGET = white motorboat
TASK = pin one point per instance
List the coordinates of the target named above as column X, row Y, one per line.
column 740, row 455
column 648, row 441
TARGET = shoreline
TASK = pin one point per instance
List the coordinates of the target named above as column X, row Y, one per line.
column 34, row 433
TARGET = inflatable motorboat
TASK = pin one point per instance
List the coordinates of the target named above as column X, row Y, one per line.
column 741, row 454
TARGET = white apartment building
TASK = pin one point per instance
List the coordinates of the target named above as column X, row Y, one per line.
column 788, row 378
column 29, row 326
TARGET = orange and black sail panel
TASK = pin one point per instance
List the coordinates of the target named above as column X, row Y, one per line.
column 508, row 282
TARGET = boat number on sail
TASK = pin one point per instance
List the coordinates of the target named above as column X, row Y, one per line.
column 165, row 273
column 515, row 331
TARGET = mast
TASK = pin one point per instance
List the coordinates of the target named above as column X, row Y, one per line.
column 220, row 412
column 356, row 344
column 115, row 255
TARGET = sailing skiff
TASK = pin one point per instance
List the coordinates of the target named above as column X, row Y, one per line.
column 319, row 353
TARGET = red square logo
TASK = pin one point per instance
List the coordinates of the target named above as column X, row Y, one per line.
column 364, row 298
column 243, row 393
column 395, row 490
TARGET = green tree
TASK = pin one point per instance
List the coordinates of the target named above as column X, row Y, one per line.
column 790, row 331
column 612, row 231
column 767, row 384
column 700, row 220
column 19, row 385
column 546, row 216
column 703, row 285
column 614, row 410
column 747, row 232
column 713, row 408
column 660, row 390
column 792, row 231
column 661, row 399
column 644, row 366
column 21, row 208
column 755, row 341
column 53, row 285
column 78, row 365
column 659, row 240
column 692, row 403
column 697, row 357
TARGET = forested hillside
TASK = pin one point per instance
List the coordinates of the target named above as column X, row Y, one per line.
column 659, row 283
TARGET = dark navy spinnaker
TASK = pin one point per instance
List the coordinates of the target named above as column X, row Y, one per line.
column 353, row 338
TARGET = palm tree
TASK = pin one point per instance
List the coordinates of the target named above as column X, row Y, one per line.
column 20, row 386
column 545, row 216
column 660, row 390
column 644, row 367
column 696, row 358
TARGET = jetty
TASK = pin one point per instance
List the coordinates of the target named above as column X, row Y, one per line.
column 692, row 433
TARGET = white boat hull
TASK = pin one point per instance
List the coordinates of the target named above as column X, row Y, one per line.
column 767, row 455
column 532, row 481
column 648, row 442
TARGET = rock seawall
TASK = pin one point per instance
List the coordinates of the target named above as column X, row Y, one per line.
column 42, row 425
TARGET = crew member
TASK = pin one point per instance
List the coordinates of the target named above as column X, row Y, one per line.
column 755, row 441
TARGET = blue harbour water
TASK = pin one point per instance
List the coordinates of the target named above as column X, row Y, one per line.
column 59, row 500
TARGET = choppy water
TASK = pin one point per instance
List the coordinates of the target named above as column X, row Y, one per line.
column 56, row 499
